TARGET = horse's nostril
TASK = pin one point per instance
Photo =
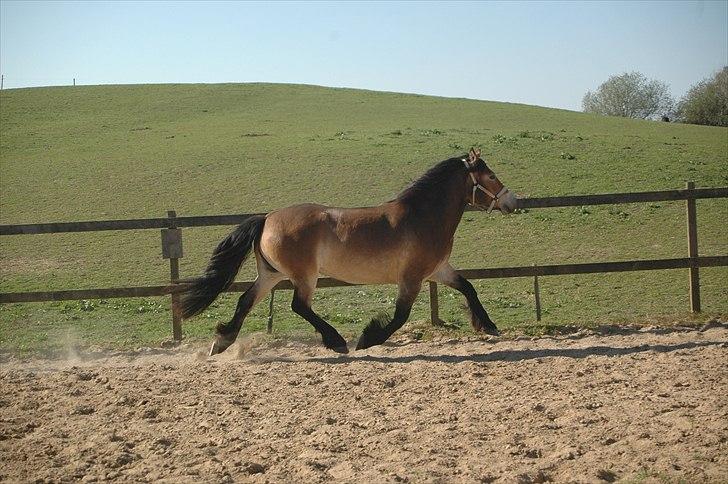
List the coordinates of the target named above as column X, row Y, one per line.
column 508, row 206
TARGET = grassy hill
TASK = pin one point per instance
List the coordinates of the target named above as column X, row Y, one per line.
column 110, row 152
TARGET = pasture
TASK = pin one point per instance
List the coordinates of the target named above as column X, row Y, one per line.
column 112, row 152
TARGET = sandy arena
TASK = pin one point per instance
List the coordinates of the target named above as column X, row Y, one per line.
column 648, row 405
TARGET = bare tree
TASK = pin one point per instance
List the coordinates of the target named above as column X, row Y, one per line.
column 707, row 101
column 630, row 95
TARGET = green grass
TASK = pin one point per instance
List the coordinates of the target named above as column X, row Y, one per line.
column 114, row 152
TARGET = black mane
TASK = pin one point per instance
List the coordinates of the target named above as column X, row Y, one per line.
column 433, row 181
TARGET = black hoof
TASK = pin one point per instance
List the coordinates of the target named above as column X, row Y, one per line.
column 371, row 338
column 375, row 333
column 336, row 343
column 485, row 325
column 340, row 349
column 362, row 345
column 490, row 329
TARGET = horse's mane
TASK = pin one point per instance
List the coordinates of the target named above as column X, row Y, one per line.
column 433, row 181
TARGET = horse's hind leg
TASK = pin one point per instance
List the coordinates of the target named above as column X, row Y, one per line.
column 226, row 333
column 479, row 316
column 381, row 328
column 301, row 305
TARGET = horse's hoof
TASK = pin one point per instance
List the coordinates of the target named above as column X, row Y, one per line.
column 374, row 334
column 336, row 343
column 369, row 340
column 217, row 348
column 340, row 349
column 362, row 345
column 488, row 327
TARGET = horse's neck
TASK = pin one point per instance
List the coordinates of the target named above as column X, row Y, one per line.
column 440, row 214
column 448, row 216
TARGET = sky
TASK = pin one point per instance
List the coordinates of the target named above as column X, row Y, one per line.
column 542, row 53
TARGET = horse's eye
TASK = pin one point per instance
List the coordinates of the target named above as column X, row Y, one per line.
column 492, row 177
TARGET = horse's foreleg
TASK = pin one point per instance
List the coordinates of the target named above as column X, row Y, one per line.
column 478, row 315
column 301, row 305
column 381, row 327
column 226, row 333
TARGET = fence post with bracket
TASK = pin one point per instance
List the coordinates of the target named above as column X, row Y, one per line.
column 172, row 250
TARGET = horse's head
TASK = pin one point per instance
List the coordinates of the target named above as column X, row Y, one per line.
column 484, row 190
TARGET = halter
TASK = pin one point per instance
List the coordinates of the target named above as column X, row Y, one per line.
column 478, row 186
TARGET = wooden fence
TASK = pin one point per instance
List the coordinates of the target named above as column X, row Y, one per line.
column 172, row 250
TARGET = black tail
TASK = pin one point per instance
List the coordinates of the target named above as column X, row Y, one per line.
column 222, row 268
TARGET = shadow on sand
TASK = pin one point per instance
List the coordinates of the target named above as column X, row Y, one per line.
column 512, row 355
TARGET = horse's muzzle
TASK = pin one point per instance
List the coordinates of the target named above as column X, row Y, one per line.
column 507, row 203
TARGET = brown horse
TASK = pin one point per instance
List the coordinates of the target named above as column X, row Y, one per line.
column 405, row 241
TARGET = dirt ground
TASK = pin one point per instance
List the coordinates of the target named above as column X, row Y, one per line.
column 644, row 405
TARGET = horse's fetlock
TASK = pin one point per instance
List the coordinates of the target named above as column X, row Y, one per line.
column 223, row 329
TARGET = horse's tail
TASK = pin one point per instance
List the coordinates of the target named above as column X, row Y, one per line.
column 222, row 268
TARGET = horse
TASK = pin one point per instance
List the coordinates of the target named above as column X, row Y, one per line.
column 405, row 241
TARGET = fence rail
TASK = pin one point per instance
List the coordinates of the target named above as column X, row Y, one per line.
column 492, row 273
column 172, row 249
column 233, row 219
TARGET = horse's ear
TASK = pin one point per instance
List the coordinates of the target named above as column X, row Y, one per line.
column 474, row 155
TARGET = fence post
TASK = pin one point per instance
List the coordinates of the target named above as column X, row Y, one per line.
column 537, row 296
column 270, row 311
column 434, row 305
column 172, row 250
column 694, row 271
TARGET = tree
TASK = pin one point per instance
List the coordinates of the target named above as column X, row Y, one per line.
column 707, row 101
column 630, row 95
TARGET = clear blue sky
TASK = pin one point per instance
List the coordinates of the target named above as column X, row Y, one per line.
column 547, row 54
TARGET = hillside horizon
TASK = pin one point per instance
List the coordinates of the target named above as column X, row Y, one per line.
column 348, row 88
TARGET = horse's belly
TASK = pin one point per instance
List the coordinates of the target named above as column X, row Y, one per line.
column 360, row 269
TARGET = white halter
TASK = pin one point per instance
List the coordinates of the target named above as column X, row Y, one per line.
column 478, row 186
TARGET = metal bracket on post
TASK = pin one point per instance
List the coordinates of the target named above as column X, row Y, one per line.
column 172, row 250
